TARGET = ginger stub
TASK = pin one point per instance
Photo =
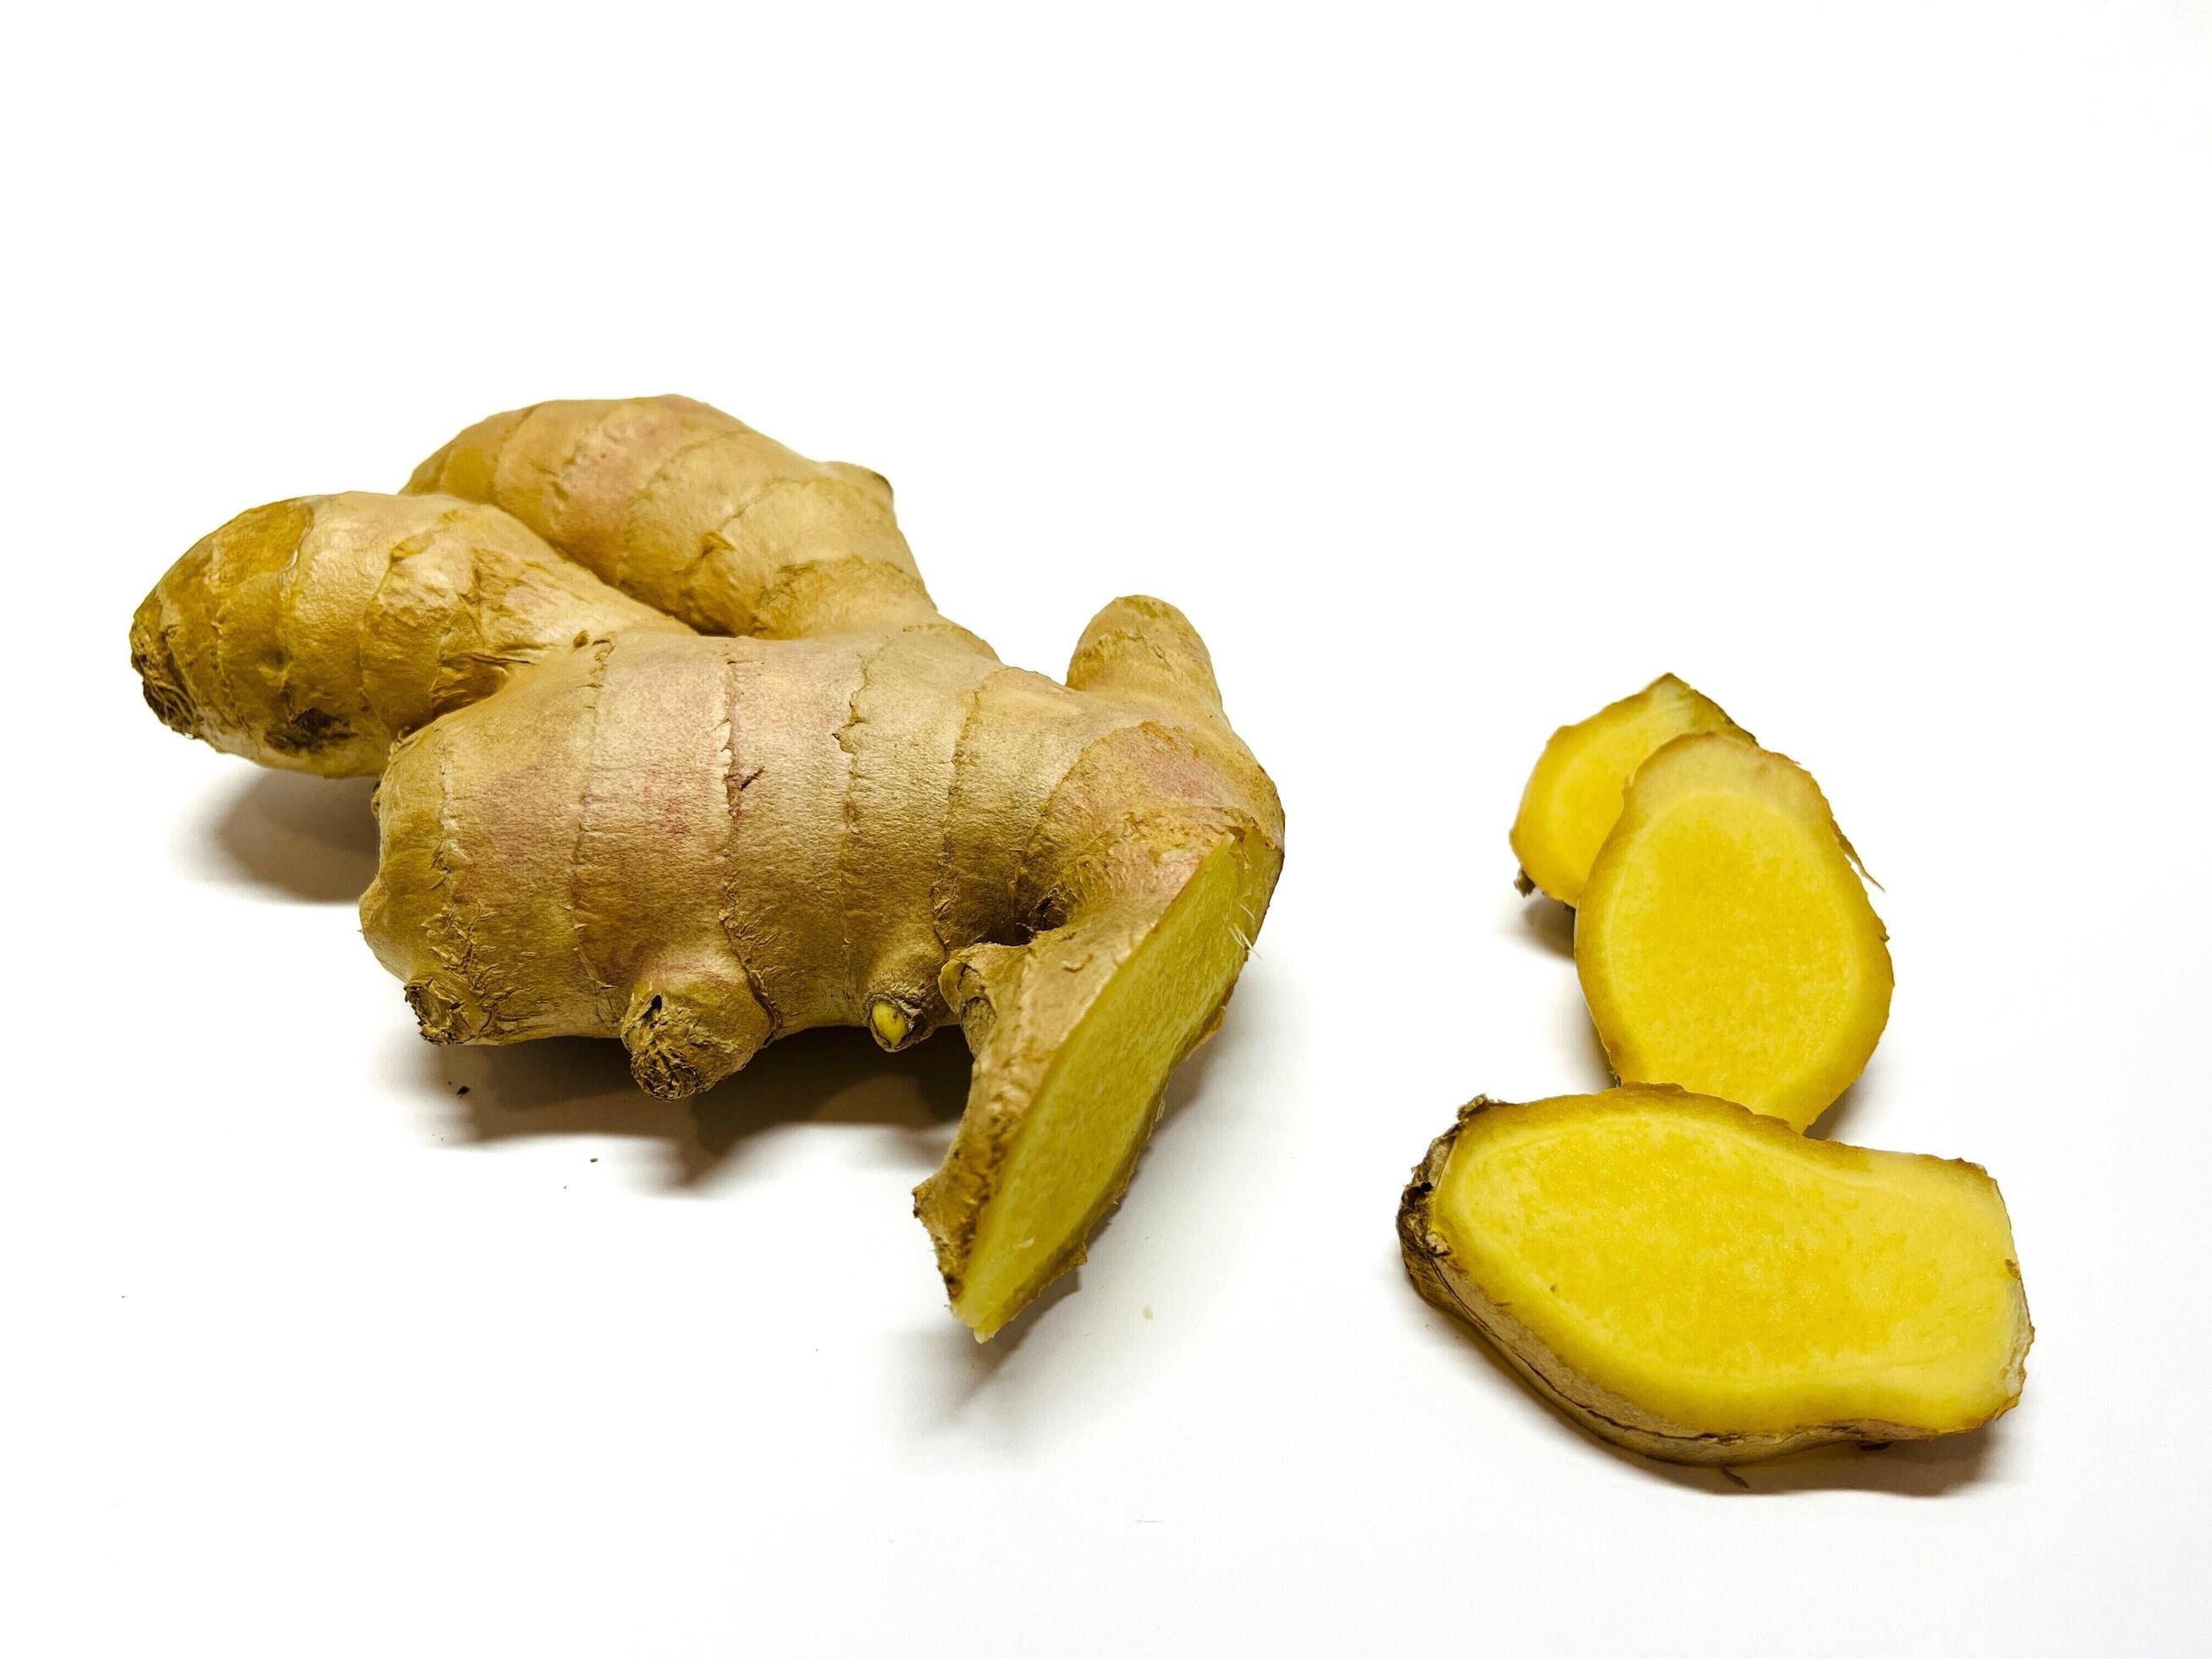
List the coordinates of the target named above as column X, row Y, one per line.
column 1695, row 1282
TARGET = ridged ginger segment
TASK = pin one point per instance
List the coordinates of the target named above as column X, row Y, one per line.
column 1695, row 1282
column 694, row 513
column 698, row 844
column 1725, row 942
column 311, row 633
column 1573, row 796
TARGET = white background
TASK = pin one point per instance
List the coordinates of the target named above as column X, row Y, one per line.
column 1457, row 370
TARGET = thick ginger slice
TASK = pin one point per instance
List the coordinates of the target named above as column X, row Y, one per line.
column 1725, row 942
column 1574, row 795
column 1692, row 1281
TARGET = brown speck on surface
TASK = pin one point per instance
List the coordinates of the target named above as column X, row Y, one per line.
column 464, row 1088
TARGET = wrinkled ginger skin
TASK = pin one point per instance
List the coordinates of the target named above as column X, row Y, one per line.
column 698, row 845
column 1926, row 1205
column 311, row 633
column 693, row 513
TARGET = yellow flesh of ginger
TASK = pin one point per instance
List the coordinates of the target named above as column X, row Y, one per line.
column 1081, row 1135
column 1731, row 1278
column 1574, row 795
column 1725, row 942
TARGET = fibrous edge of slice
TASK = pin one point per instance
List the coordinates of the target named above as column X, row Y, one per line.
column 1574, row 794
column 1725, row 941
column 1694, row 1282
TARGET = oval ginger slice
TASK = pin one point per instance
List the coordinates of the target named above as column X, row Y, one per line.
column 1725, row 942
column 1574, row 795
column 1695, row 1282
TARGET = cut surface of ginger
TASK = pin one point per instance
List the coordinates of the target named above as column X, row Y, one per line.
column 1072, row 1152
column 1725, row 942
column 1574, row 795
column 1696, row 1281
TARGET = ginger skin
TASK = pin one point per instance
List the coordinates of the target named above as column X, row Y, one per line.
column 836, row 809
column 694, row 513
column 310, row 634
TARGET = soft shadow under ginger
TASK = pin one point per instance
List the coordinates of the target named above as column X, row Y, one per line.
column 583, row 1086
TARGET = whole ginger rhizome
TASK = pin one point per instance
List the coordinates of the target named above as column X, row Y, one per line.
column 675, row 748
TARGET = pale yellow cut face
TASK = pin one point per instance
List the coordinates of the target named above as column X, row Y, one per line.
column 1731, row 1277
column 1724, row 940
column 1574, row 795
column 1093, row 1112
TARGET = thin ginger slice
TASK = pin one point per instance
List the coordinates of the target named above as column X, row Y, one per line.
column 1574, row 795
column 1725, row 942
column 1694, row 1282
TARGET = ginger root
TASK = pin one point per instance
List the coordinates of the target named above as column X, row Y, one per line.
column 693, row 513
column 1693, row 1282
column 310, row 634
column 1725, row 942
column 836, row 808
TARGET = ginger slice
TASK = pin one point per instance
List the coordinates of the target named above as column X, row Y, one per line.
column 1724, row 940
column 1691, row 1281
column 1574, row 795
